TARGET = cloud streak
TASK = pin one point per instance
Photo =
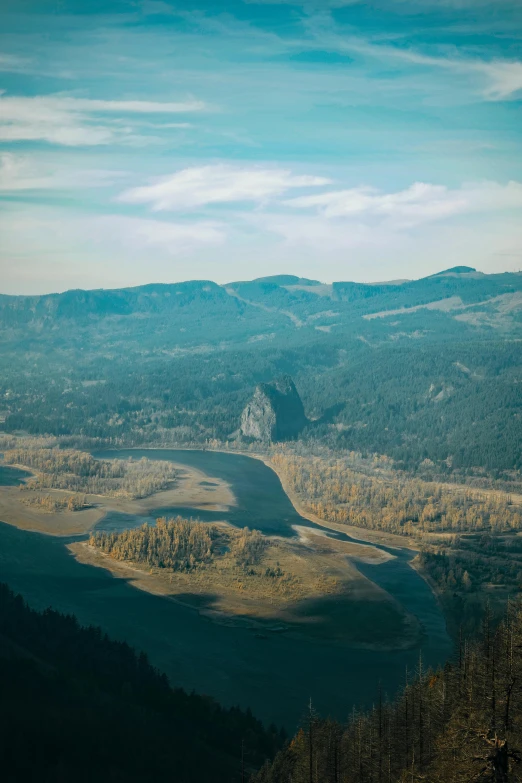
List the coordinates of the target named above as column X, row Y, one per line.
column 13, row 63
column 200, row 186
column 500, row 79
column 417, row 204
column 69, row 121
column 28, row 172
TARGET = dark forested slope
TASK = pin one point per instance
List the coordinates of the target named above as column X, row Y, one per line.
column 78, row 706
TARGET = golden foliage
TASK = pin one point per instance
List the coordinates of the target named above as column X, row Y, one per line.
column 178, row 544
column 337, row 493
column 79, row 471
column 51, row 504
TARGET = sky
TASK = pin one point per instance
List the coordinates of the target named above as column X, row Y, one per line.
column 157, row 141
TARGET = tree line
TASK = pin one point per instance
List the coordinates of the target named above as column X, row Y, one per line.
column 460, row 723
column 181, row 544
column 80, row 472
column 470, row 571
column 52, row 503
column 336, row 492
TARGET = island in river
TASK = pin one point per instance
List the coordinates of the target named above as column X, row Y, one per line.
column 381, row 606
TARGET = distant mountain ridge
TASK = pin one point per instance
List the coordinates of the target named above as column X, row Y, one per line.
column 457, row 270
column 284, row 280
column 293, row 293
column 419, row 370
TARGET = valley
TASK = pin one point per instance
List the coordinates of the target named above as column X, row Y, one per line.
column 343, row 427
column 384, row 611
column 261, row 391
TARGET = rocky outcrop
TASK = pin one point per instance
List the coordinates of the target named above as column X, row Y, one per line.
column 274, row 413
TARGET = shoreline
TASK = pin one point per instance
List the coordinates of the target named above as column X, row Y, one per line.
column 364, row 535
column 188, row 489
column 434, row 589
column 152, row 581
column 364, row 547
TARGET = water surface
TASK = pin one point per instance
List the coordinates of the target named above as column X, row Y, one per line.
column 275, row 676
column 12, row 477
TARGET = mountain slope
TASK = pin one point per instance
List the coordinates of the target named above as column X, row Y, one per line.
column 422, row 370
column 90, row 708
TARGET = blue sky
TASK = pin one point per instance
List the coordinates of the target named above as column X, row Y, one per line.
column 145, row 141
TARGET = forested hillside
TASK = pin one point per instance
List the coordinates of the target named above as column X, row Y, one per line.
column 457, row 725
column 62, row 683
column 79, row 706
column 423, row 370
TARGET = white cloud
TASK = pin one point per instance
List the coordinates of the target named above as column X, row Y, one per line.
column 69, row 121
column 30, row 172
column 415, row 5
column 215, row 184
column 338, row 249
column 504, row 78
column 434, row 4
column 120, row 107
column 51, row 248
column 420, row 203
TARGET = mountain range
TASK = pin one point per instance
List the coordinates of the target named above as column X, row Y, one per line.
column 425, row 371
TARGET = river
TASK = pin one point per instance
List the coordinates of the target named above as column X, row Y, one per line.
column 276, row 676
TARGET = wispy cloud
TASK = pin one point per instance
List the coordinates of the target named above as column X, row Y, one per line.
column 420, row 203
column 496, row 79
column 501, row 78
column 29, row 172
column 356, row 250
column 70, row 121
column 13, row 63
column 317, row 233
column 504, row 78
column 218, row 184
column 457, row 4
